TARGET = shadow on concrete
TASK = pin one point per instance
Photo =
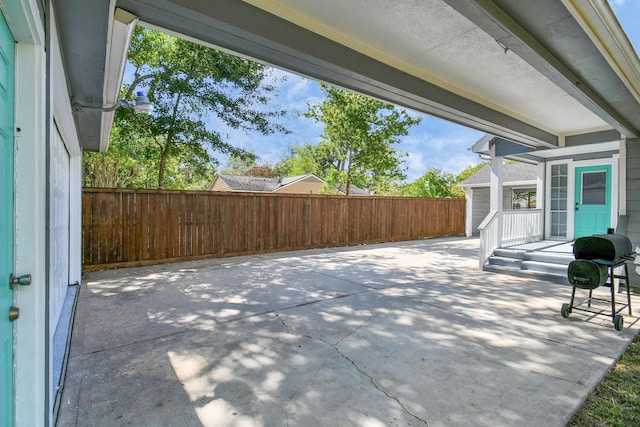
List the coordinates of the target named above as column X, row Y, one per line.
column 409, row 333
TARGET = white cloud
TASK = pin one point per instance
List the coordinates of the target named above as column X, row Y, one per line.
column 438, row 144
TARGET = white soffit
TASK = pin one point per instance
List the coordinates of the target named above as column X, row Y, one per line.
column 120, row 32
column 430, row 40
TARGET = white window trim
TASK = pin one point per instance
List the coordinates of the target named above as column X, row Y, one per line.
column 570, row 197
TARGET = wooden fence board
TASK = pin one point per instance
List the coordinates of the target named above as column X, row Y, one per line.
column 122, row 227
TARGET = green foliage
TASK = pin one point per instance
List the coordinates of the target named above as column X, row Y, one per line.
column 434, row 183
column 238, row 165
column 357, row 143
column 187, row 83
column 470, row 170
column 133, row 163
column 248, row 167
column 304, row 159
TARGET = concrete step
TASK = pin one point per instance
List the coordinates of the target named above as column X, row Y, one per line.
column 505, row 261
column 539, row 256
column 510, row 253
column 540, row 264
column 545, row 267
column 547, row 277
column 550, row 258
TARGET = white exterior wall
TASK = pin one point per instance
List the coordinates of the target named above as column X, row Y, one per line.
column 34, row 328
column 65, row 202
column 479, row 208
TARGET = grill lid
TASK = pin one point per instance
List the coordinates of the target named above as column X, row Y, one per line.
column 604, row 248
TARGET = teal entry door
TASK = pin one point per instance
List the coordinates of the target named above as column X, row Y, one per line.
column 6, row 221
column 593, row 200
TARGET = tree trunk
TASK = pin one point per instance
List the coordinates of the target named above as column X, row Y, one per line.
column 347, row 189
column 163, row 164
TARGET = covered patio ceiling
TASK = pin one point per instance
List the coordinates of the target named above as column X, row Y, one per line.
column 530, row 72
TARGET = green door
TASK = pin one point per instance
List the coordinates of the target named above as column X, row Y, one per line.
column 6, row 221
column 593, row 200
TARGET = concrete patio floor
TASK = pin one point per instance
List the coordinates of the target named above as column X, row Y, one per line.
column 402, row 334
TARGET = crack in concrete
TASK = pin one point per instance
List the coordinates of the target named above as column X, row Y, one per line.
column 362, row 372
column 293, row 331
column 353, row 331
column 376, row 386
column 302, row 386
column 353, row 363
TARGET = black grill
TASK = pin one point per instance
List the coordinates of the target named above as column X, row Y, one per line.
column 603, row 248
column 587, row 274
column 597, row 257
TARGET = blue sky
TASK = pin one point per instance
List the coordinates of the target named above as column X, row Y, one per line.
column 433, row 143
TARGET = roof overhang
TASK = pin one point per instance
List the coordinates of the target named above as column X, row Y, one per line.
column 529, row 72
column 531, row 183
column 94, row 39
column 512, row 151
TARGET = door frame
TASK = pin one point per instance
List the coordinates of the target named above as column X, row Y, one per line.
column 7, row 341
column 613, row 161
column 31, row 109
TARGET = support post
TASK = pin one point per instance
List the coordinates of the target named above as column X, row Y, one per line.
column 541, row 169
column 496, row 193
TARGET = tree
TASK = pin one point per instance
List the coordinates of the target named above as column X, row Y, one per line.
column 133, row 163
column 303, row 159
column 248, row 167
column 470, row 170
column 122, row 166
column 188, row 83
column 237, row 165
column 357, row 143
column 434, row 183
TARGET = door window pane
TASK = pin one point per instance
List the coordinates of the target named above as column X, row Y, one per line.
column 558, row 224
column 559, row 200
column 594, row 188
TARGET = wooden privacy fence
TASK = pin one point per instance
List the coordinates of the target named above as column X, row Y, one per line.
column 123, row 227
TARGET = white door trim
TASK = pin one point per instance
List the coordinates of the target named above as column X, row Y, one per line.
column 613, row 161
column 23, row 17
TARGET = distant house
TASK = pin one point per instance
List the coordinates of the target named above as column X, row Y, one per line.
column 301, row 184
column 519, row 192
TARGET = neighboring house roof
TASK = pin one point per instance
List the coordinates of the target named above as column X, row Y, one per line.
column 247, row 183
column 512, row 173
column 268, row 185
column 354, row 191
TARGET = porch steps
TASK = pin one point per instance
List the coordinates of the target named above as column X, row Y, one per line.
column 543, row 265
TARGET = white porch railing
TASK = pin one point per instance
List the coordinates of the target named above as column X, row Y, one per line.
column 518, row 227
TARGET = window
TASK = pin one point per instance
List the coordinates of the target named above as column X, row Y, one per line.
column 523, row 198
column 558, row 200
column 594, row 188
